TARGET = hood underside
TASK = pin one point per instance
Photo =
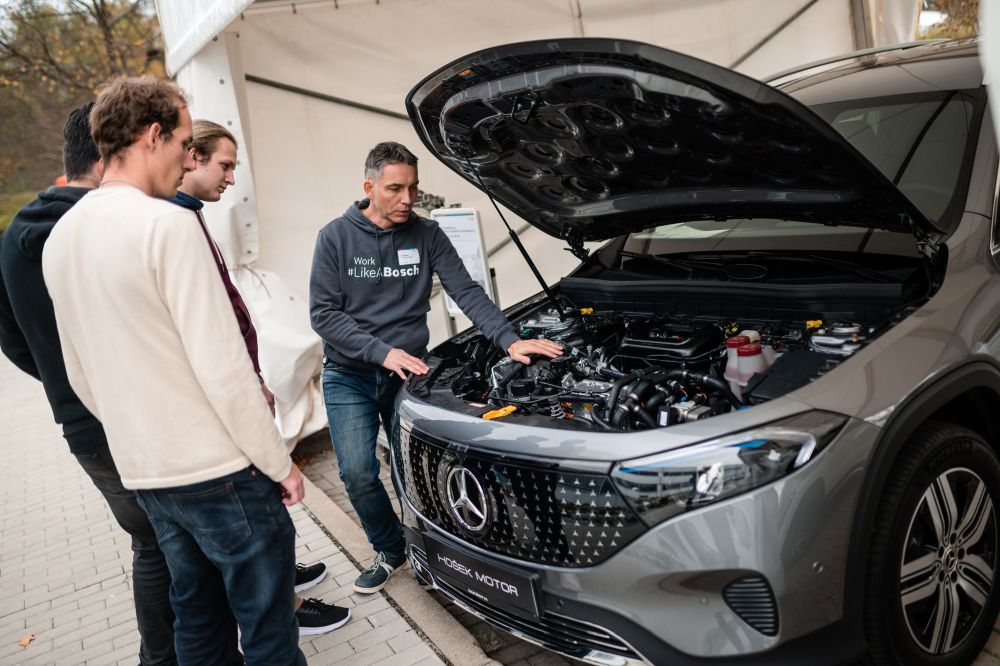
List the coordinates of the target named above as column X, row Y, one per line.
column 588, row 139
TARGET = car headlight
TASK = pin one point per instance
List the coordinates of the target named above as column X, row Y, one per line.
column 664, row 485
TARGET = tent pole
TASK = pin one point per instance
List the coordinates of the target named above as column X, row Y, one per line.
column 328, row 98
column 576, row 12
column 774, row 33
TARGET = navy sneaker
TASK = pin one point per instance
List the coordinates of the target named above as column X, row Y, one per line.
column 308, row 576
column 377, row 575
column 316, row 617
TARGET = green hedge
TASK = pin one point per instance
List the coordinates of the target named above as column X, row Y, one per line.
column 11, row 203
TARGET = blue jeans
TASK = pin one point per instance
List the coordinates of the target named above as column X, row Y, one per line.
column 235, row 526
column 356, row 398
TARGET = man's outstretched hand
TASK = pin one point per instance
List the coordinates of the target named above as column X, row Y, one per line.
column 519, row 350
column 400, row 362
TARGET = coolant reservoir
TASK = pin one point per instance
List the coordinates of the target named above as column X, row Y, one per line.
column 770, row 356
column 732, row 373
column 750, row 360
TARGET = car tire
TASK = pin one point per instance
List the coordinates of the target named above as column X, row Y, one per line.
column 931, row 590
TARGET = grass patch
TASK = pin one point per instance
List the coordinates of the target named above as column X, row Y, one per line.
column 11, row 203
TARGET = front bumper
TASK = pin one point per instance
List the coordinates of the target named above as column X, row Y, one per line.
column 661, row 598
column 563, row 634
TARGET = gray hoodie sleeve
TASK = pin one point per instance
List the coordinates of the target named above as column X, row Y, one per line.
column 467, row 293
column 326, row 308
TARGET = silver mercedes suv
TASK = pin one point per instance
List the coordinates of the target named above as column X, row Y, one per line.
column 772, row 436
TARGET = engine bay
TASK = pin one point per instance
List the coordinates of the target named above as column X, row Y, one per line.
column 625, row 372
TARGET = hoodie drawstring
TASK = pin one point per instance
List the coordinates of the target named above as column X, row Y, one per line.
column 378, row 244
column 402, row 283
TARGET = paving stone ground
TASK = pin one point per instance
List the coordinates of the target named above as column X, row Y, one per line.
column 65, row 564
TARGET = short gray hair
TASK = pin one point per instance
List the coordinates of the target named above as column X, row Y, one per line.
column 387, row 152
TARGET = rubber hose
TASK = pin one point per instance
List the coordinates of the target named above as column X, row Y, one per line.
column 647, row 419
column 717, row 384
column 635, row 395
column 598, row 420
column 610, row 373
column 654, row 402
column 619, row 413
column 615, row 390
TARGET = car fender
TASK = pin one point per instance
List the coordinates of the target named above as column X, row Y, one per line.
column 982, row 372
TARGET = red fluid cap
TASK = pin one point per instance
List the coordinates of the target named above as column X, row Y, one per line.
column 737, row 341
column 751, row 349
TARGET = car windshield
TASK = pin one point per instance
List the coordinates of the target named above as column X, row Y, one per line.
column 923, row 143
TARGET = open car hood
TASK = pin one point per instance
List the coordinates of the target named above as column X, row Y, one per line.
column 588, row 139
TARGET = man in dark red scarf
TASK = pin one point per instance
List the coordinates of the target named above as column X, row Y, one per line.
column 214, row 150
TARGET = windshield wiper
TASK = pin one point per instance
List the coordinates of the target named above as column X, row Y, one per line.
column 827, row 261
column 689, row 266
column 685, row 265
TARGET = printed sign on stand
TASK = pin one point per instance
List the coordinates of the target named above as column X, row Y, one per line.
column 465, row 230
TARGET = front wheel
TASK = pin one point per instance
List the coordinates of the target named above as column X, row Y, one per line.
column 931, row 595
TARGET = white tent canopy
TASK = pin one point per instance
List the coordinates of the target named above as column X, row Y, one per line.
column 308, row 87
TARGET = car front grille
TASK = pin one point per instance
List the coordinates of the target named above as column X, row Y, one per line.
column 538, row 512
column 556, row 632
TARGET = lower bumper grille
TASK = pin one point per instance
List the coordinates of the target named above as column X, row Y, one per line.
column 752, row 600
column 556, row 632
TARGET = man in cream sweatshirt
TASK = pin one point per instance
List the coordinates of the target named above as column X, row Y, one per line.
column 152, row 349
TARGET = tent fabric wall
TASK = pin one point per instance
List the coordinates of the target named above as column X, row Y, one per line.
column 307, row 153
column 893, row 21
column 189, row 25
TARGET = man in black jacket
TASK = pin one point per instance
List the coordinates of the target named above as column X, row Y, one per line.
column 29, row 338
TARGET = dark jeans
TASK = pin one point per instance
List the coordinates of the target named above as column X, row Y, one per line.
column 150, row 576
column 235, row 525
column 355, row 400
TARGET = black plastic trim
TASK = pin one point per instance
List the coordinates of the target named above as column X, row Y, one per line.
column 864, row 302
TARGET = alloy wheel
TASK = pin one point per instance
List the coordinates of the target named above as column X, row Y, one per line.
column 949, row 556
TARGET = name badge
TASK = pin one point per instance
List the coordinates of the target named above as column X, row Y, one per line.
column 408, row 257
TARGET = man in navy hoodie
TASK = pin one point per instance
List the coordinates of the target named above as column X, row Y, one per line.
column 29, row 338
column 369, row 294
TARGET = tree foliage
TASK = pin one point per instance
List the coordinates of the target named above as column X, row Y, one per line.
column 962, row 20
column 55, row 55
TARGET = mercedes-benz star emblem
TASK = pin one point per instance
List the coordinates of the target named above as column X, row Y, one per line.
column 467, row 501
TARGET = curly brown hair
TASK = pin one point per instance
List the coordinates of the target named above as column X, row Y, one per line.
column 128, row 105
column 205, row 138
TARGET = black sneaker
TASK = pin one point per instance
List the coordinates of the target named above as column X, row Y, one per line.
column 377, row 575
column 308, row 576
column 316, row 617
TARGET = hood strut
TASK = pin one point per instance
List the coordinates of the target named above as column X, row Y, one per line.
column 517, row 241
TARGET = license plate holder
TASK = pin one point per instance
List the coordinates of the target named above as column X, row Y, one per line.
column 494, row 584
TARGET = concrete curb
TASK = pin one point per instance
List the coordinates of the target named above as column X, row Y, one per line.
column 452, row 641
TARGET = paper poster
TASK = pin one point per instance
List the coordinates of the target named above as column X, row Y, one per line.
column 464, row 229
